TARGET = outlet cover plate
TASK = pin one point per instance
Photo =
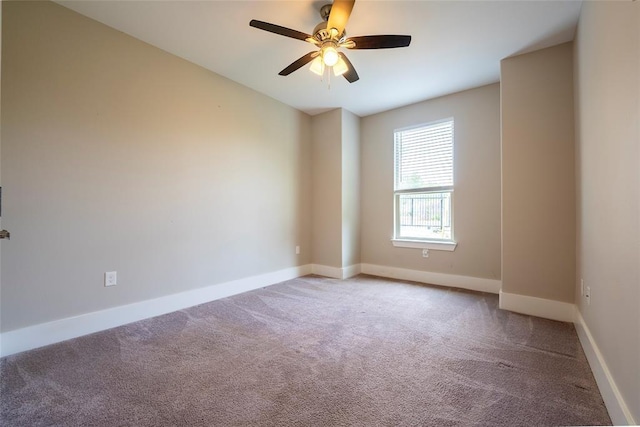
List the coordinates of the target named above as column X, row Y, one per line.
column 110, row 278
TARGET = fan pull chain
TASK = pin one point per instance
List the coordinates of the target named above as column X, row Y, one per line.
column 327, row 71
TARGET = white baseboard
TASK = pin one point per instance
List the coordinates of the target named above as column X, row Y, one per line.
column 335, row 272
column 618, row 410
column 452, row 280
column 326, row 271
column 72, row 327
column 350, row 271
column 540, row 307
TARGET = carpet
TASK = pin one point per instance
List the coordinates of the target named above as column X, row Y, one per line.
column 313, row 351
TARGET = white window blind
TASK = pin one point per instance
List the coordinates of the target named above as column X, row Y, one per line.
column 424, row 156
column 423, row 181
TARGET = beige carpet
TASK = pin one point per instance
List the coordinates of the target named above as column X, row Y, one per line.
column 313, row 352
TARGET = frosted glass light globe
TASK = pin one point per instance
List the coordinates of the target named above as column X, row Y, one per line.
column 330, row 56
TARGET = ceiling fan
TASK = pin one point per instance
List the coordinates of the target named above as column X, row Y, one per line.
column 329, row 36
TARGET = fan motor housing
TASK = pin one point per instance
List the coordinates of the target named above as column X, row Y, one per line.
column 320, row 32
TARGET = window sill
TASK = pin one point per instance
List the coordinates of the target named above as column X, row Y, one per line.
column 425, row 244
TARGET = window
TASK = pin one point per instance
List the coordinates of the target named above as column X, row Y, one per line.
column 423, row 187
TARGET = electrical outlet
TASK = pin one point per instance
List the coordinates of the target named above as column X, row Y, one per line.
column 425, row 253
column 110, row 278
column 587, row 294
column 297, row 250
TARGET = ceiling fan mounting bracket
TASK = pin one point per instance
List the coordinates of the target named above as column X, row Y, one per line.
column 325, row 11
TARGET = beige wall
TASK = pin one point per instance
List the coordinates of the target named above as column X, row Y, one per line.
column 477, row 184
column 538, row 185
column 119, row 156
column 607, row 51
column 350, row 189
column 336, row 189
column 326, row 212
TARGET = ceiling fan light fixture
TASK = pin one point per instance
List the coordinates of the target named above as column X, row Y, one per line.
column 329, row 36
column 317, row 66
column 340, row 68
column 329, row 55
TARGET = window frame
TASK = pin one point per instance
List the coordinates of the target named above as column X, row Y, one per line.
column 416, row 242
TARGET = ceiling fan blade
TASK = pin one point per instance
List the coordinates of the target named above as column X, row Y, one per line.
column 379, row 42
column 299, row 63
column 340, row 11
column 277, row 29
column 351, row 75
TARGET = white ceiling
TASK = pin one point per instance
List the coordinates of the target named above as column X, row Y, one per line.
column 456, row 45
